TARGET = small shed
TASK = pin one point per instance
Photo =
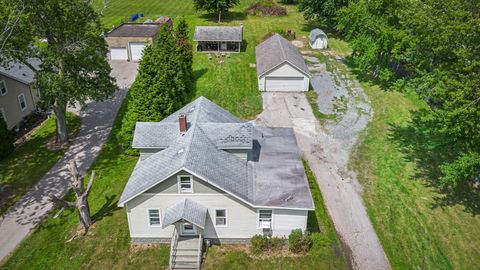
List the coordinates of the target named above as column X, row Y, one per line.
column 127, row 41
column 164, row 19
column 281, row 67
column 318, row 39
column 218, row 38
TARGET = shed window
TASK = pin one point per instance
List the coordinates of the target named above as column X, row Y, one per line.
column 265, row 219
column 22, row 101
column 154, row 217
column 3, row 88
column 221, row 217
column 185, row 183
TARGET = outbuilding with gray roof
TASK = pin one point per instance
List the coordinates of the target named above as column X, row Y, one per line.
column 280, row 66
column 220, row 39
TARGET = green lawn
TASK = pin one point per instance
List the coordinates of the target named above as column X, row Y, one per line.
column 414, row 233
column 325, row 252
column 24, row 167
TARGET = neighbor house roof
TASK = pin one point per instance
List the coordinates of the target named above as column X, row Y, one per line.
column 185, row 210
column 135, row 30
column 21, row 72
column 273, row 178
column 316, row 33
column 218, row 33
column 275, row 51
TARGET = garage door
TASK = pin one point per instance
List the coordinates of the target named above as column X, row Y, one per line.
column 118, row 54
column 284, row 84
column 136, row 50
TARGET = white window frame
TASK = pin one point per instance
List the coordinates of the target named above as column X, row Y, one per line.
column 159, row 217
column 179, row 178
column 20, row 103
column 4, row 116
column 258, row 218
column 5, row 86
column 226, row 217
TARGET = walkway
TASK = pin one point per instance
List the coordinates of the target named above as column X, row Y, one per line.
column 97, row 120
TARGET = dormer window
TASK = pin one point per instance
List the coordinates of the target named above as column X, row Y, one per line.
column 185, row 184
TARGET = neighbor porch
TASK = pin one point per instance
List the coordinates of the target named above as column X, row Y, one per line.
column 219, row 46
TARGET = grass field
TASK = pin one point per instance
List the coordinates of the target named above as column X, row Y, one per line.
column 24, row 167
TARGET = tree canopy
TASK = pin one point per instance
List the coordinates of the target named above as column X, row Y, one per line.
column 215, row 6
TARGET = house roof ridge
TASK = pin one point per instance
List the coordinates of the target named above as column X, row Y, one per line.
column 281, row 47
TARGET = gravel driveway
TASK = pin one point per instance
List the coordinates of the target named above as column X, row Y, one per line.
column 97, row 120
column 327, row 149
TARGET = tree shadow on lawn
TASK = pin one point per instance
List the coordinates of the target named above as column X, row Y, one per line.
column 107, row 208
column 429, row 150
column 197, row 74
column 226, row 17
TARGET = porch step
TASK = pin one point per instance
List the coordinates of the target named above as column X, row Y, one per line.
column 186, row 252
column 185, row 265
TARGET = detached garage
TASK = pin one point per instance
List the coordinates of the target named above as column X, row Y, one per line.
column 280, row 66
column 127, row 41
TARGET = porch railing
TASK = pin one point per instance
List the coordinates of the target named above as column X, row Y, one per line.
column 173, row 243
column 200, row 250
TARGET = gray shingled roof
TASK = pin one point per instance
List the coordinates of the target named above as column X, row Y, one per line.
column 218, row 33
column 135, row 30
column 21, row 72
column 275, row 51
column 316, row 33
column 274, row 176
column 185, row 210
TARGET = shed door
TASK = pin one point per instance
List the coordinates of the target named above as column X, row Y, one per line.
column 284, row 84
column 118, row 54
column 136, row 50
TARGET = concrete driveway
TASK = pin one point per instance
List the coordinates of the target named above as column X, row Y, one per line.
column 97, row 121
column 327, row 150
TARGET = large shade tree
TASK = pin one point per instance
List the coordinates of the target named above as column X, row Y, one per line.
column 215, row 6
column 66, row 37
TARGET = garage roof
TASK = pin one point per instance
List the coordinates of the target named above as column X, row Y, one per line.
column 218, row 33
column 135, row 30
column 275, row 51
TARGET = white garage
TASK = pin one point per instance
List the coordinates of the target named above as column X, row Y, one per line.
column 118, row 54
column 280, row 66
column 136, row 50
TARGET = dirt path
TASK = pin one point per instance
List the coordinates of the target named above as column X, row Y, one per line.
column 97, row 120
column 327, row 149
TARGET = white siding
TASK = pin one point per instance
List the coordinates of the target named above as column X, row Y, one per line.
column 287, row 71
column 242, row 219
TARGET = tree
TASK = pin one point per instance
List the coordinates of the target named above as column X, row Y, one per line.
column 321, row 9
column 159, row 89
column 184, row 49
column 215, row 6
column 6, row 140
column 81, row 202
column 66, row 37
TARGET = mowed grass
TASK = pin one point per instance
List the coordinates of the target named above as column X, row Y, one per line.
column 325, row 252
column 414, row 233
column 107, row 244
column 28, row 163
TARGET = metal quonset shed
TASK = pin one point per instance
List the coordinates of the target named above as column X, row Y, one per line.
column 318, row 39
column 218, row 38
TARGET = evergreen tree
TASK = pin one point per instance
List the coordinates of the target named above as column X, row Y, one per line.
column 184, row 48
column 6, row 140
column 159, row 89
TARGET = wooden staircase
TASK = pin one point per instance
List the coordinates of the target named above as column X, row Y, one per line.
column 186, row 252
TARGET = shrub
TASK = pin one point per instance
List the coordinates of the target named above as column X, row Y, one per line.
column 6, row 140
column 261, row 243
column 299, row 241
column 266, row 8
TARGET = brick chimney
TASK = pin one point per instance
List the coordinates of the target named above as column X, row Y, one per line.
column 182, row 122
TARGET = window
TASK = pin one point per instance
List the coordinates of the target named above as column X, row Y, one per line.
column 221, row 217
column 185, row 183
column 265, row 219
column 2, row 114
column 3, row 88
column 22, row 101
column 154, row 217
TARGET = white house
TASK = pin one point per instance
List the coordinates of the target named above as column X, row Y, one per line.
column 318, row 39
column 280, row 66
column 205, row 174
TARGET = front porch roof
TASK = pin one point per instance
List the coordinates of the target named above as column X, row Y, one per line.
column 187, row 210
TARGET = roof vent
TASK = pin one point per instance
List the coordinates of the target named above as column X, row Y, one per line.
column 191, row 109
column 180, row 151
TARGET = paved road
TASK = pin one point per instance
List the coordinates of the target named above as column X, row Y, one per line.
column 97, row 120
column 327, row 149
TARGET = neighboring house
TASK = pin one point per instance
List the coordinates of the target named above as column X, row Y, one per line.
column 18, row 98
column 127, row 41
column 218, row 38
column 280, row 66
column 203, row 172
column 318, row 39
